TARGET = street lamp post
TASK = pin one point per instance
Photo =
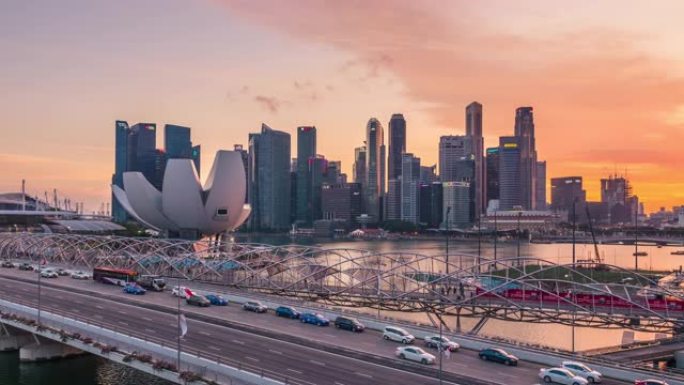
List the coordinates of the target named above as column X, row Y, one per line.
column 636, row 239
column 439, row 350
column 446, row 259
column 40, row 273
column 519, row 234
column 180, row 331
column 479, row 241
column 574, row 227
column 496, row 237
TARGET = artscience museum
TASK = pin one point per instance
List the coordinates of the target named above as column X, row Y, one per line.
column 184, row 208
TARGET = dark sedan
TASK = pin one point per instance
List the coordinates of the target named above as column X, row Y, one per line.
column 498, row 355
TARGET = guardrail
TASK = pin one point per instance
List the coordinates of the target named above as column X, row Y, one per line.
column 170, row 347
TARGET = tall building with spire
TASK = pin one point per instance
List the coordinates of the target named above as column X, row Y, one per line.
column 306, row 150
column 474, row 132
column 397, row 146
column 524, row 131
column 374, row 186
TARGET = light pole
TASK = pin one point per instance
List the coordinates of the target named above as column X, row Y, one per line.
column 479, row 241
column 574, row 227
column 40, row 274
column 180, row 330
column 636, row 239
column 448, row 210
column 439, row 350
column 519, row 215
column 496, row 237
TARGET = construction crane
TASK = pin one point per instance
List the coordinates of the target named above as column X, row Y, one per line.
column 597, row 260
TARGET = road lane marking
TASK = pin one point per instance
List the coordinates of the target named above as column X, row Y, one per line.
column 214, row 348
column 99, row 307
column 317, row 362
column 148, row 319
column 294, row 371
column 274, row 351
column 122, row 312
column 363, row 374
column 338, row 383
column 98, row 316
column 59, row 297
column 123, row 323
column 252, row 359
column 150, row 331
column 238, row 342
column 205, row 334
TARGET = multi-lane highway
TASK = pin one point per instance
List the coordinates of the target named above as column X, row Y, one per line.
column 298, row 362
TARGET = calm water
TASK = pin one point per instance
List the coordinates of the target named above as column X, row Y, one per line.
column 89, row 370
column 84, row 370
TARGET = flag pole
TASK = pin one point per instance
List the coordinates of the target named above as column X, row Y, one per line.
column 180, row 331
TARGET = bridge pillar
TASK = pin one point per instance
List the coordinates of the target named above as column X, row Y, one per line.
column 679, row 359
column 12, row 339
column 44, row 350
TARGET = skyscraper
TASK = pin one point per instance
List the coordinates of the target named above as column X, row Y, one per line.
column 269, row 167
column 341, row 202
column 245, row 161
column 430, row 196
column 474, row 131
column 318, row 169
column 524, row 131
column 456, row 195
column 359, row 168
column 540, row 194
column 451, row 150
column 306, row 149
column 142, row 151
column 374, row 187
column 121, row 132
column 410, row 182
column 509, row 172
column 177, row 142
column 616, row 193
column 492, row 174
column 397, row 145
column 564, row 191
column 197, row 158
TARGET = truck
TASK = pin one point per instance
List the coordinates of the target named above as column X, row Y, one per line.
column 152, row 282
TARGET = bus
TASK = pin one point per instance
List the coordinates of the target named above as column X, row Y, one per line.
column 114, row 276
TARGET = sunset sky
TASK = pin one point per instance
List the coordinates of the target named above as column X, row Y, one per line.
column 606, row 80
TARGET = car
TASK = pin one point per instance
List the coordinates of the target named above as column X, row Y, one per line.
column 416, row 354
column 198, row 300
column 349, row 323
column 583, row 371
column 650, row 382
column 314, row 319
column 498, row 355
column 7, row 264
column 25, row 266
column 287, row 312
column 80, row 275
column 216, row 299
column 62, row 273
column 435, row 341
column 48, row 273
column 255, row 306
column 133, row 288
column 393, row 333
column 180, row 291
column 561, row 376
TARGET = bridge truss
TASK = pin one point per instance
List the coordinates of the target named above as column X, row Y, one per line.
column 512, row 289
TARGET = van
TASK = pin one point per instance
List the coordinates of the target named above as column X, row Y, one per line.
column 397, row 334
column 349, row 323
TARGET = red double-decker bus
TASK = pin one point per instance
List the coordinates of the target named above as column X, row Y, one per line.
column 114, row 276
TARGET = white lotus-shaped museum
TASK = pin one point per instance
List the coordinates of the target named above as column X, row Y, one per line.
column 184, row 206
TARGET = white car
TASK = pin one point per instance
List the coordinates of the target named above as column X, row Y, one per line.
column 412, row 353
column 181, row 291
column 47, row 273
column 80, row 275
column 435, row 341
column 561, row 376
column 393, row 333
column 583, row 371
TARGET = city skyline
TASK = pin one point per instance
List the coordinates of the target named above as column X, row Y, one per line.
column 591, row 120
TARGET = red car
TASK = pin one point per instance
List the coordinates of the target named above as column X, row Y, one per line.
column 649, row 382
